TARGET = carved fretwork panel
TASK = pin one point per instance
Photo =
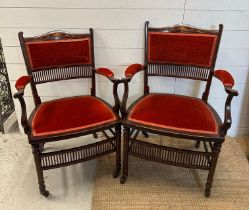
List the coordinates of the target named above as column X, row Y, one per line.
column 6, row 101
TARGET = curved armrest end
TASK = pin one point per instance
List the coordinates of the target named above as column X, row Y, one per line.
column 19, row 94
column 133, row 69
column 231, row 91
column 105, row 72
column 22, row 82
column 225, row 77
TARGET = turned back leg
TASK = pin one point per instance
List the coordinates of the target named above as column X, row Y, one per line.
column 125, row 155
column 118, row 151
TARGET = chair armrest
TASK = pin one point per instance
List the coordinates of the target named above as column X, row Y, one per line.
column 22, row 82
column 227, row 79
column 105, row 72
column 20, row 86
column 133, row 69
column 110, row 75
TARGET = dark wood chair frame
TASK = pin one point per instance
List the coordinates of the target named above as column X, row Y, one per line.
column 50, row 160
column 206, row 159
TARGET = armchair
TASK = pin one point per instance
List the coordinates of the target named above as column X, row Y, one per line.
column 182, row 52
column 61, row 56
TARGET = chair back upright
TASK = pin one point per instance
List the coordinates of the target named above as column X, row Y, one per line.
column 181, row 51
column 58, row 55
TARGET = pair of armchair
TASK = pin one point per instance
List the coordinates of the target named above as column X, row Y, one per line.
column 178, row 51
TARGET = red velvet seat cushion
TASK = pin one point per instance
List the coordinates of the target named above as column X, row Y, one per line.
column 175, row 112
column 70, row 114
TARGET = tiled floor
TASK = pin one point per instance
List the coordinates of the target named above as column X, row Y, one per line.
column 70, row 187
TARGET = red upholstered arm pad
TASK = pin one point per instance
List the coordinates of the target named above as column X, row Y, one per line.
column 225, row 77
column 22, row 82
column 133, row 69
column 105, row 72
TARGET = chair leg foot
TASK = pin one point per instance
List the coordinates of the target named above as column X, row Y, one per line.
column 44, row 192
column 95, row 135
column 123, row 179
column 146, row 135
column 209, row 183
column 42, row 187
column 207, row 191
column 197, row 144
column 116, row 173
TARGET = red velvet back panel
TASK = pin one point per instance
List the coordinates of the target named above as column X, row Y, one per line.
column 181, row 49
column 58, row 53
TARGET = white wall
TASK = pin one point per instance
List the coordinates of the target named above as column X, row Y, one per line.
column 119, row 42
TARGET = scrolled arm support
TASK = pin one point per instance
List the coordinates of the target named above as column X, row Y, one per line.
column 110, row 75
column 123, row 109
column 116, row 106
column 228, row 82
column 227, row 116
column 20, row 86
column 130, row 71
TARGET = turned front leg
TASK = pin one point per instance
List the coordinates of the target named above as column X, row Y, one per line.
column 37, row 158
column 215, row 155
